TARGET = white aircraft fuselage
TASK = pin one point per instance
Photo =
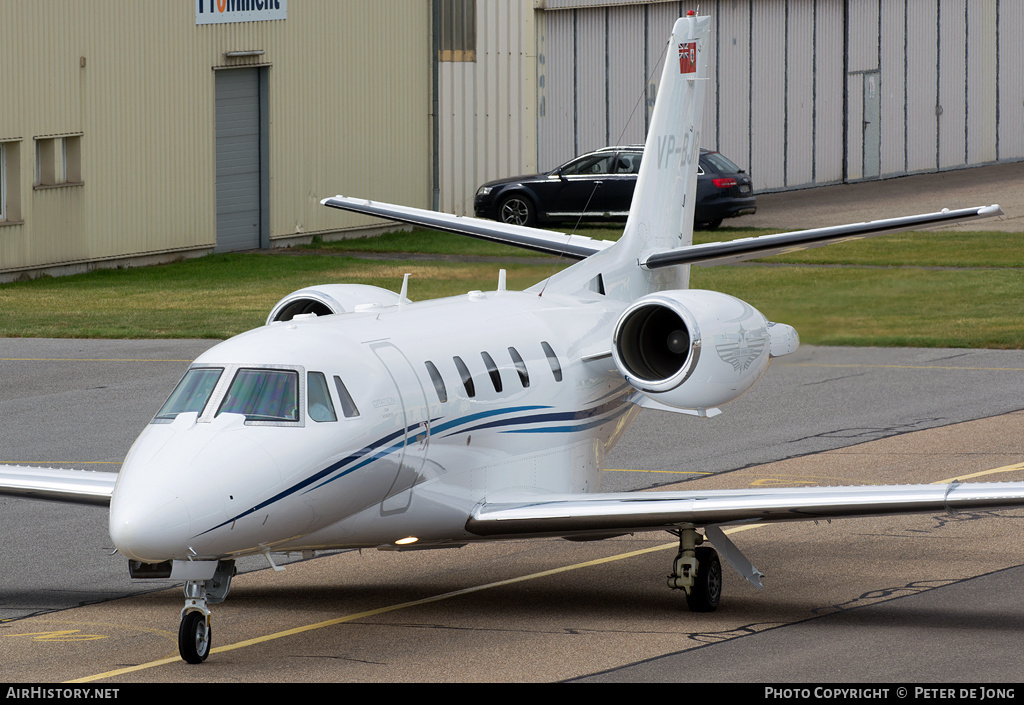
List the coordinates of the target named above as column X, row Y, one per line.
column 409, row 464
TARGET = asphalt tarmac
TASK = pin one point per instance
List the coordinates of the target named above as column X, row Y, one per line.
column 1002, row 184
column 936, row 596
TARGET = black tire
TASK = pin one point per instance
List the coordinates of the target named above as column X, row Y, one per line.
column 707, row 589
column 517, row 210
column 194, row 638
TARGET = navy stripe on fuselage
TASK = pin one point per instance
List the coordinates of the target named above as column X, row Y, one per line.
column 549, row 418
column 361, row 453
column 366, row 455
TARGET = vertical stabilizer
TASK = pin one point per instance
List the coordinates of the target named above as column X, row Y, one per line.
column 661, row 215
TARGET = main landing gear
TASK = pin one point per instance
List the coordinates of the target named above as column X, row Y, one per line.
column 194, row 632
column 697, row 570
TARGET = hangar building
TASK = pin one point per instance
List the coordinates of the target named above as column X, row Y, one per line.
column 140, row 132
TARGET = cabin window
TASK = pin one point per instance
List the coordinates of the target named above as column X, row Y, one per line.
column 517, row 360
column 318, row 398
column 348, row 406
column 556, row 369
column 192, row 392
column 435, row 377
column 492, row 370
column 263, row 395
column 467, row 379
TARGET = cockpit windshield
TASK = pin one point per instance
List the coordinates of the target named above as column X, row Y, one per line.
column 263, row 395
column 192, row 392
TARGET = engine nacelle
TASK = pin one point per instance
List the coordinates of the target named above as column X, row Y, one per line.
column 694, row 349
column 327, row 299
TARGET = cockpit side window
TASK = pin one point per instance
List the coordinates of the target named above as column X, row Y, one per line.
column 263, row 395
column 348, row 406
column 318, row 397
column 192, row 392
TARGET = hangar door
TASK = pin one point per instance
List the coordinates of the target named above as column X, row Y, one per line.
column 241, row 160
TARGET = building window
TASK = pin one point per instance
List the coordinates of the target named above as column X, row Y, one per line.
column 59, row 161
column 10, row 184
column 457, row 30
column 3, row 182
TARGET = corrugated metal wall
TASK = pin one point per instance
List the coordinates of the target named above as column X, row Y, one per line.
column 798, row 83
column 487, row 123
column 349, row 112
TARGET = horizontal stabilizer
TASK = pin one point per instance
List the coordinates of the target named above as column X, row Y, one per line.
column 626, row 512
column 74, row 486
column 713, row 253
column 547, row 241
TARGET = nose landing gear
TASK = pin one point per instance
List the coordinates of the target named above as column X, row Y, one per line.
column 194, row 633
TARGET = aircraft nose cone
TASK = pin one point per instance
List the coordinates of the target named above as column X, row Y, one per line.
column 150, row 529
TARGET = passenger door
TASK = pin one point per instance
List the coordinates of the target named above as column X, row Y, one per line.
column 416, row 436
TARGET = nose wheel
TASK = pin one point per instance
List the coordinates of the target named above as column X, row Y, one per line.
column 194, row 635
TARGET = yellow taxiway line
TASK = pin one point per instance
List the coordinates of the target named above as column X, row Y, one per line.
column 456, row 593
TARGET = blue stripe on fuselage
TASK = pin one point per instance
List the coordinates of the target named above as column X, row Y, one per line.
column 366, row 455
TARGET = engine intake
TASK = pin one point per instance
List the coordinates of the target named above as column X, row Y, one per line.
column 328, row 299
column 691, row 349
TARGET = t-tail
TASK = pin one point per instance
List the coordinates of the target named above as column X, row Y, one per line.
column 661, row 215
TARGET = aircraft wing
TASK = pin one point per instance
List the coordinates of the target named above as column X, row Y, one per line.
column 73, row 486
column 713, row 253
column 627, row 512
column 548, row 241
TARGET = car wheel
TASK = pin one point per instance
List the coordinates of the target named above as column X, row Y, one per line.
column 712, row 224
column 517, row 210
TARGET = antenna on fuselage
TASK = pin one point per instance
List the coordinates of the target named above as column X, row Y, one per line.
column 403, row 294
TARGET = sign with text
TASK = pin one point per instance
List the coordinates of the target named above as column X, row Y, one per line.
column 222, row 11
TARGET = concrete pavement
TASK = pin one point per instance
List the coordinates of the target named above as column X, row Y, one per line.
column 890, row 198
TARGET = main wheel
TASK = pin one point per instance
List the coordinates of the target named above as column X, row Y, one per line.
column 194, row 638
column 517, row 210
column 707, row 589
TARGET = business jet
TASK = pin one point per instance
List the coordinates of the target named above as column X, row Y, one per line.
column 357, row 418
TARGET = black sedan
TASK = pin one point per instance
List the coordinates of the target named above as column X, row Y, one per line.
column 599, row 186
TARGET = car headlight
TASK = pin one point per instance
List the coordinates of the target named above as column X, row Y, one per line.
column 483, row 190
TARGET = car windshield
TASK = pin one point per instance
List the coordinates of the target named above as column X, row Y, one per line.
column 263, row 395
column 192, row 392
